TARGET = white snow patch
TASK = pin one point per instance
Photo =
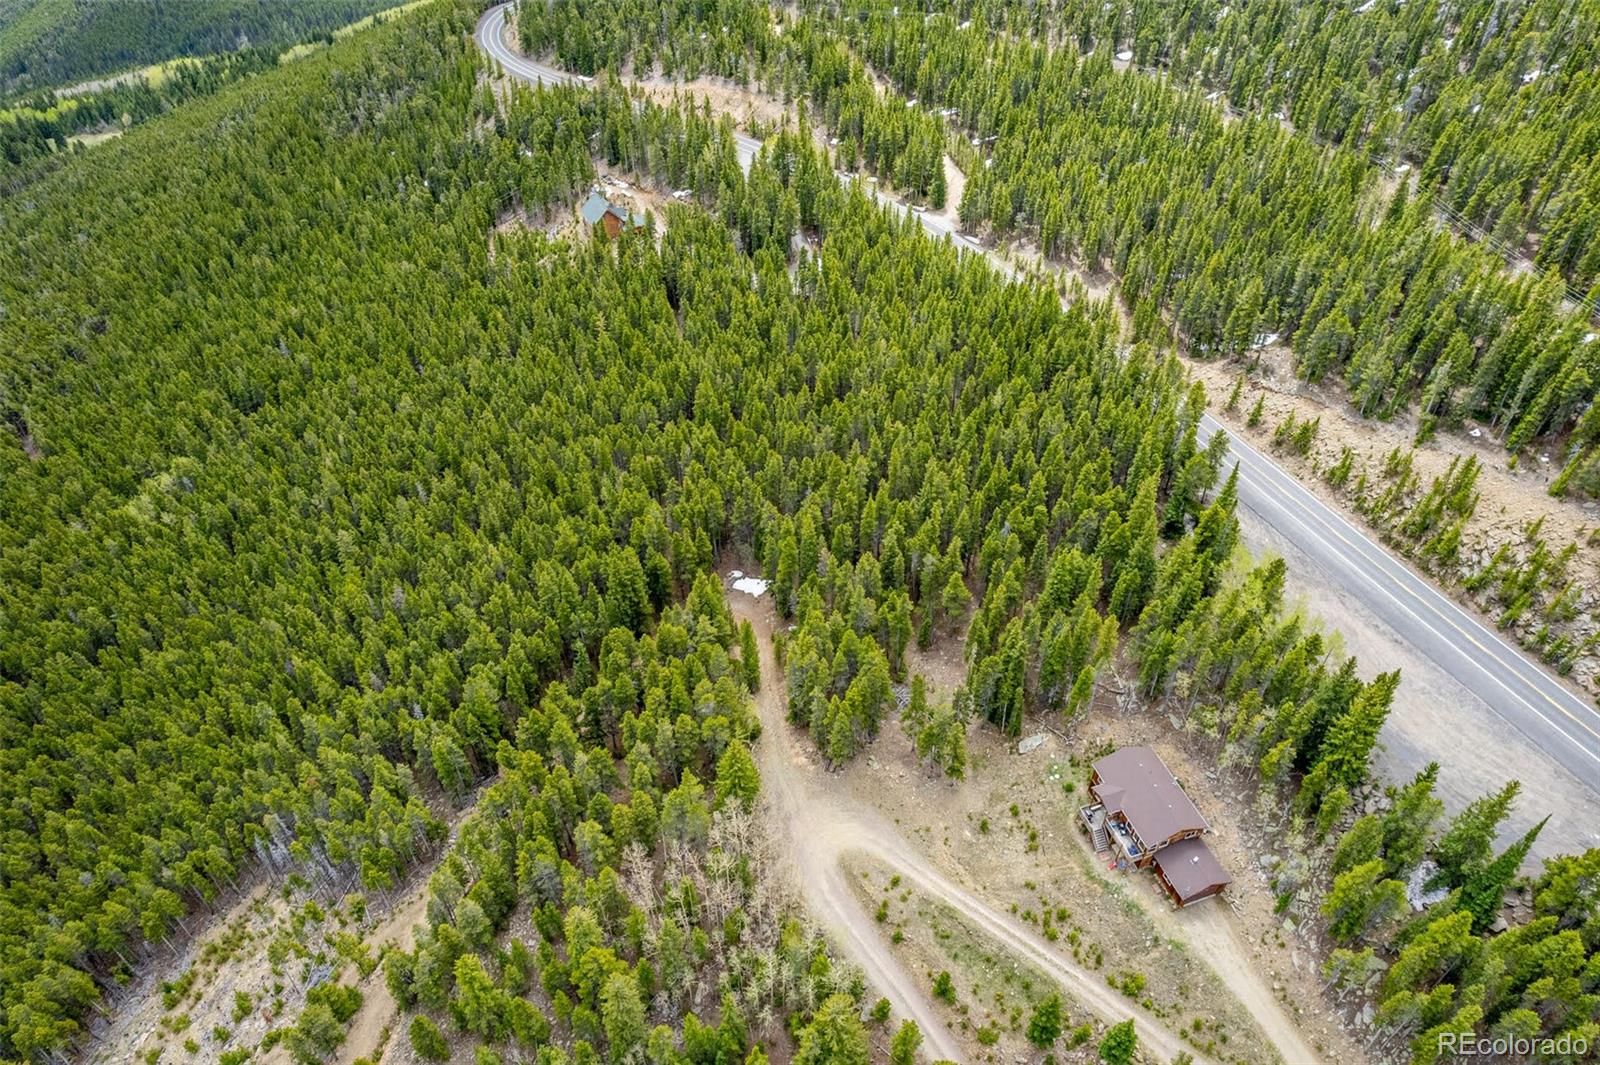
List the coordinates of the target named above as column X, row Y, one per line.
column 1417, row 894
column 751, row 586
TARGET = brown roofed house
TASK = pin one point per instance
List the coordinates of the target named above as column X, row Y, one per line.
column 1143, row 816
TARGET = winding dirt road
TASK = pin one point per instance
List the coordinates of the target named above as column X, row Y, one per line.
column 820, row 831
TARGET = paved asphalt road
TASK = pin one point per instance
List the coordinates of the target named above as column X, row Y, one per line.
column 1558, row 721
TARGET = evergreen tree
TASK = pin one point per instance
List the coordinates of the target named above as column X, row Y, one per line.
column 834, row 1036
column 1467, row 844
column 907, row 1041
column 1483, row 893
column 1408, row 825
column 427, row 1040
column 1361, row 900
column 623, row 1016
column 749, row 657
column 1044, row 1026
column 1119, row 1045
column 736, row 775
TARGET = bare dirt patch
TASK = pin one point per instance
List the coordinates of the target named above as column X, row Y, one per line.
column 265, row 949
column 279, row 941
column 94, row 137
column 373, row 1023
column 562, row 223
column 624, row 189
column 749, row 107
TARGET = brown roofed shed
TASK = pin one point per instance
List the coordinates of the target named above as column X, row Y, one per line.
column 1190, row 872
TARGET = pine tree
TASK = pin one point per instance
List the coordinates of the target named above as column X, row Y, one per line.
column 1348, row 747
column 955, row 599
column 1044, row 1026
column 907, row 1041
column 1360, row 899
column 1119, row 1045
column 1469, row 841
column 834, row 1036
column 1433, row 955
column 1232, row 403
column 623, row 1016
column 1408, row 825
column 1568, row 889
column 427, row 1040
column 1428, row 1047
column 749, row 657
column 1257, row 412
column 1361, row 843
column 737, row 777
column 1482, row 895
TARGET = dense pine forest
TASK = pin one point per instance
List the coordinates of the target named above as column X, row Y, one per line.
column 1490, row 101
column 54, row 42
column 320, row 509
column 1220, row 230
column 39, row 124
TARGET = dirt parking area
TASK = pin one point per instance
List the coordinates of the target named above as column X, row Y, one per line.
column 748, row 107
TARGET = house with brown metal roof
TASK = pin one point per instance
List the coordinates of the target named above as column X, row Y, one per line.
column 1141, row 816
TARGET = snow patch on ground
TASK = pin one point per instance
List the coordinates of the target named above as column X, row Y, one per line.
column 752, row 586
column 1418, row 893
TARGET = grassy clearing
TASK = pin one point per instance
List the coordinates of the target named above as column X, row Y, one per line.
column 377, row 16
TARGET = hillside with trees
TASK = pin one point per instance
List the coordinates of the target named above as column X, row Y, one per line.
column 55, row 42
column 316, row 517
column 1491, row 103
column 324, row 586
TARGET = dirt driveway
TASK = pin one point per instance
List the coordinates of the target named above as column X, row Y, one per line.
column 821, row 831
